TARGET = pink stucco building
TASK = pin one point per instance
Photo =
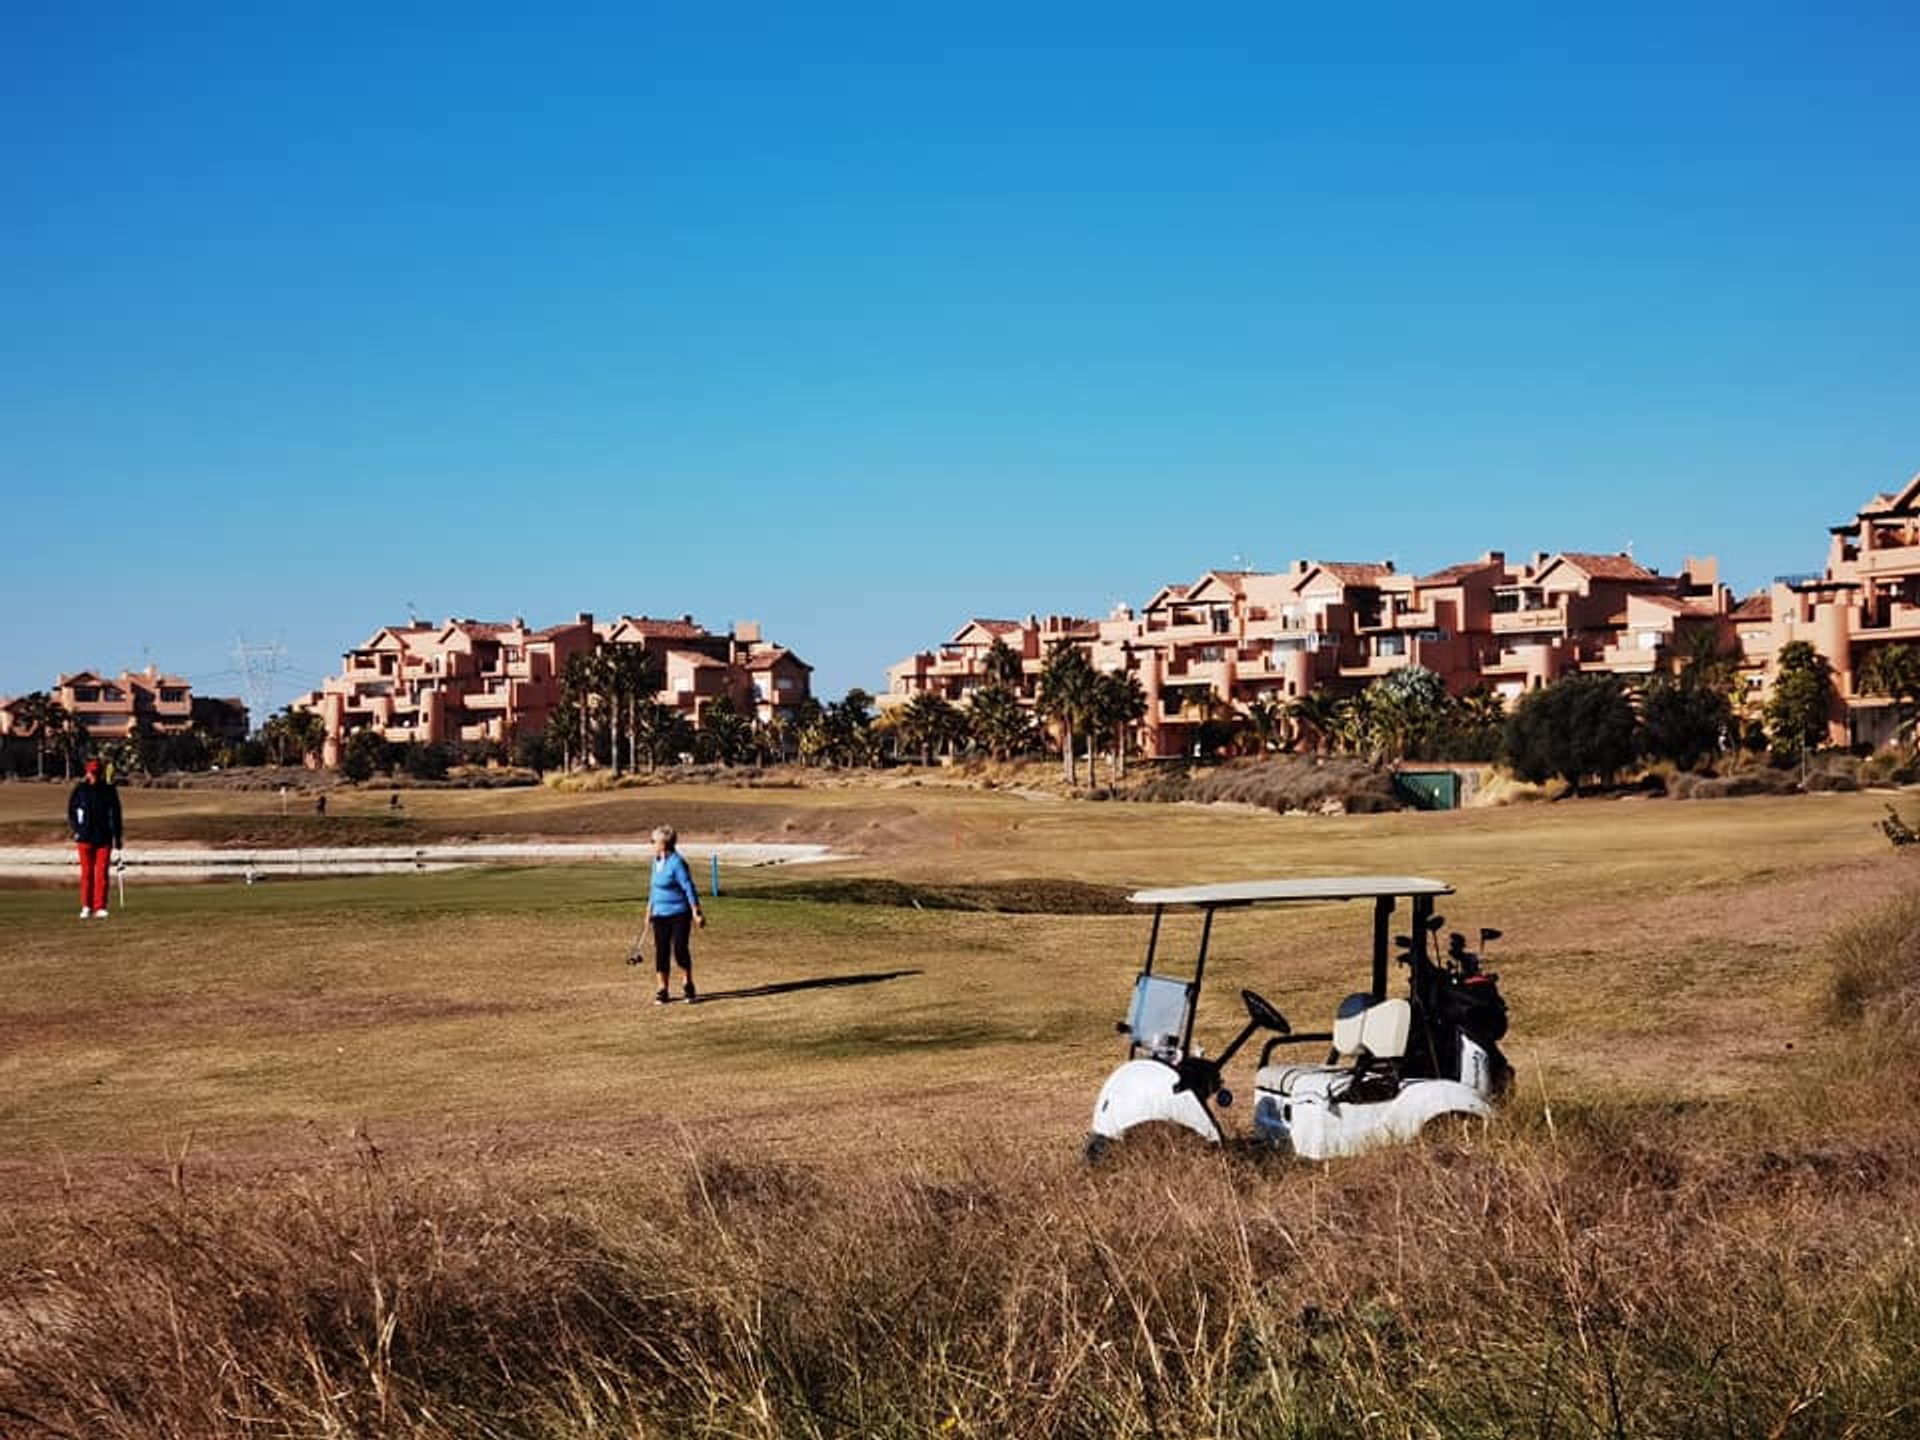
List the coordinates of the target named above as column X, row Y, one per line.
column 472, row 680
column 1867, row 598
column 108, row 707
column 1232, row 638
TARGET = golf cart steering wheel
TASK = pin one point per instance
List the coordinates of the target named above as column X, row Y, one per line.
column 1263, row 1014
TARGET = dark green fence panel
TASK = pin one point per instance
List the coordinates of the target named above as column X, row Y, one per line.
column 1429, row 789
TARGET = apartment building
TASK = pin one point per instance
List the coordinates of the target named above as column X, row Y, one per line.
column 1867, row 598
column 1232, row 638
column 109, row 708
column 472, row 680
column 960, row 665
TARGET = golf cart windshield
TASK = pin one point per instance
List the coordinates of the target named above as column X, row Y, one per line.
column 1163, row 1007
column 1158, row 1019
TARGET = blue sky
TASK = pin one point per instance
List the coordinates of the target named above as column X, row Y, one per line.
column 858, row 322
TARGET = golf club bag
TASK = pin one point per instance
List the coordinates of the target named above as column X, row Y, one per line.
column 1459, row 1017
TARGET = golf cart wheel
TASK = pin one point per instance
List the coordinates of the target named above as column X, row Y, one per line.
column 1145, row 1142
column 1455, row 1130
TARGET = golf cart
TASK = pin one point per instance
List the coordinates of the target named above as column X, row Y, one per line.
column 1393, row 1064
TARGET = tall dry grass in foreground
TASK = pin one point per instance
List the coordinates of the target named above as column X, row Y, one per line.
column 1661, row 1273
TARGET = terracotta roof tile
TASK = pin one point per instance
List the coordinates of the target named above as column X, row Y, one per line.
column 1607, row 567
column 1757, row 606
column 1349, row 573
column 767, row 659
column 1455, row 573
column 663, row 629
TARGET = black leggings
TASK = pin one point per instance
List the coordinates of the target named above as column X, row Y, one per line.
column 670, row 934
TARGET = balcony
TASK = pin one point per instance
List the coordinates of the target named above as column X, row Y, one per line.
column 1896, row 621
column 1529, row 622
column 1518, row 659
column 1397, row 618
column 1212, row 673
column 1626, row 660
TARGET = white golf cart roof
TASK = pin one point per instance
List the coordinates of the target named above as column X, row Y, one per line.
column 1326, row 887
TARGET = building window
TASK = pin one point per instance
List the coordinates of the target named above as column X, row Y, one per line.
column 1385, row 645
column 1222, row 622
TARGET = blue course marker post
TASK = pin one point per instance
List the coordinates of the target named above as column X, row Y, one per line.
column 716, row 873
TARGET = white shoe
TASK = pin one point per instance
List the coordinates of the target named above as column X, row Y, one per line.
column 100, row 914
column 85, row 913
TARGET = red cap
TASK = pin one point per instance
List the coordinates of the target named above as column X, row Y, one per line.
column 93, row 767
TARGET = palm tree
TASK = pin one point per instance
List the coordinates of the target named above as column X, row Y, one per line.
column 631, row 676
column 563, row 724
column 849, row 723
column 1894, row 671
column 771, row 738
column 306, row 732
column 804, row 727
column 997, row 722
column 1323, row 716
column 724, row 732
column 924, row 722
column 33, row 714
column 660, row 731
column 1003, row 666
column 576, row 695
column 1266, row 719
column 1066, row 691
column 1118, row 703
column 63, row 734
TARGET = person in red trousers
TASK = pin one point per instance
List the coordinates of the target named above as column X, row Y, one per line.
column 93, row 813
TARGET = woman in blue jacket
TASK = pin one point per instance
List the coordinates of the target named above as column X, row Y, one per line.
column 673, row 909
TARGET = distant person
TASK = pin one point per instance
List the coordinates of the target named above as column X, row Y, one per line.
column 673, row 909
column 320, row 805
column 93, row 814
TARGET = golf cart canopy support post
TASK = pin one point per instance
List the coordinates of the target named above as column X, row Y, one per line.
column 1383, row 890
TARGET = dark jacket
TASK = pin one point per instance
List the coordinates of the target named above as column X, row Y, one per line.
column 93, row 813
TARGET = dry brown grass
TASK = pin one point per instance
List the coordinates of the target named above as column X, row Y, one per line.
column 1290, row 783
column 863, row 1218
column 1615, row 1278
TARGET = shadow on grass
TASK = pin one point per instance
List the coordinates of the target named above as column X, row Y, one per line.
column 788, row 987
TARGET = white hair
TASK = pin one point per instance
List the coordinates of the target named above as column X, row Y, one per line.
column 664, row 833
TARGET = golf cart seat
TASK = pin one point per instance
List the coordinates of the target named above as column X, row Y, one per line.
column 1361, row 1027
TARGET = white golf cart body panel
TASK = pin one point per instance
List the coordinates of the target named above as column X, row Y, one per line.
column 1304, row 1106
column 1141, row 1092
column 1319, row 1125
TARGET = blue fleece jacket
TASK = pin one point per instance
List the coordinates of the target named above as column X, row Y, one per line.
column 673, row 891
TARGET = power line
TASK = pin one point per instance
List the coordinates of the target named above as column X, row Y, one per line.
column 260, row 666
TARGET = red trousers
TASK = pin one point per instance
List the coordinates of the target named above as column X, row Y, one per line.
column 94, row 860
